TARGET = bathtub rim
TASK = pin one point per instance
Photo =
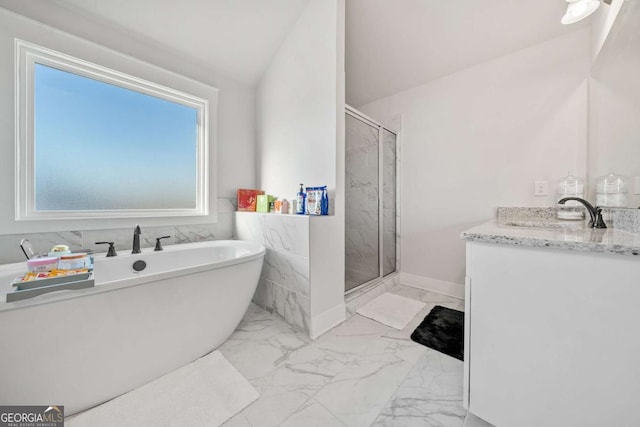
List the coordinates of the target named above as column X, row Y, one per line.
column 257, row 251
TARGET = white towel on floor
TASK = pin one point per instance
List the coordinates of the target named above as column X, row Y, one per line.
column 392, row 310
column 206, row 392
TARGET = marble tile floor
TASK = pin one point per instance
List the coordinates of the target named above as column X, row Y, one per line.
column 360, row 373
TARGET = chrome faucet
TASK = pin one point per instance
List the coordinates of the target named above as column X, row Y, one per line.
column 136, row 240
column 594, row 212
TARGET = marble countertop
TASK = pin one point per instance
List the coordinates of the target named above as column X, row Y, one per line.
column 545, row 233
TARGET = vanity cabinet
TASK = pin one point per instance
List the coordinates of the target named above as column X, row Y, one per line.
column 552, row 336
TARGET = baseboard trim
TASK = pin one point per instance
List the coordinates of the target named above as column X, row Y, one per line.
column 443, row 287
column 327, row 320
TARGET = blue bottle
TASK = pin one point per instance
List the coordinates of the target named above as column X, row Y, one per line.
column 324, row 203
column 300, row 201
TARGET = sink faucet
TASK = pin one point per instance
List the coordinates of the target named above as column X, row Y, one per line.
column 136, row 240
column 594, row 212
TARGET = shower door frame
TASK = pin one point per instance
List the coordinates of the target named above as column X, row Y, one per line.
column 369, row 121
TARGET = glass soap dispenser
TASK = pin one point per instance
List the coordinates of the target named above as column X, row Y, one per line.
column 611, row 190
column 570, row 186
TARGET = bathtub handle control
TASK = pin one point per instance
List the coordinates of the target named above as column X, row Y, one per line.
column 139, row 265
column 158, row 244
column 112, row 250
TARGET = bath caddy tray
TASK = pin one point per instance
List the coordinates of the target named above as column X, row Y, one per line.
column 24, row 290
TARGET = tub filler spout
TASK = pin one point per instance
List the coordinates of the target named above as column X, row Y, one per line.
column 136, row 240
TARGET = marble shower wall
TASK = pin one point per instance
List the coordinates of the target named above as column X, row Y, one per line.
column 122, row 237
column 284, row 286
column 361, row 199
column 364, row 168
column 388, row 202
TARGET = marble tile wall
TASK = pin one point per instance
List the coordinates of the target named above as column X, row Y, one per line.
column 122, row 237
column 361, row 198
column 362, row 239
column 389, row 202
column 398, row 235
column 284, row 286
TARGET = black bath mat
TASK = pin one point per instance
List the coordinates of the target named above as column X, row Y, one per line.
column 442, row 330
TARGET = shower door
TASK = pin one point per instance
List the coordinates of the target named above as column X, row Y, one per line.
column 388, row 202
column 362, row 238
column 370, row 201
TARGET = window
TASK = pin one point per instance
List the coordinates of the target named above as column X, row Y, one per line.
column 97, row 143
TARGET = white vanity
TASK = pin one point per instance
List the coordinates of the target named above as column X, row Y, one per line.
column 552, row 322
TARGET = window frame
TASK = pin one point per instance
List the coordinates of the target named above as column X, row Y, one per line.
column 27, row 55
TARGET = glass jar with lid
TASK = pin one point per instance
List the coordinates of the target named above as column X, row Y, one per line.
column 611, row 190
column 570, row 186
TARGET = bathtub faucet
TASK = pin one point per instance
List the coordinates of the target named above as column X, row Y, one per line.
column 136, row 240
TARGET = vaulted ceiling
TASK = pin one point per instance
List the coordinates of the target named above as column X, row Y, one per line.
column 394, row 45
column 236, row 38
column 391, row 45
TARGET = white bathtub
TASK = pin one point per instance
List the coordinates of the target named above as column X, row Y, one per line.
column 79, row 348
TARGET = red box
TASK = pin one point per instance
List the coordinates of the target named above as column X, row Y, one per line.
column 247, row 199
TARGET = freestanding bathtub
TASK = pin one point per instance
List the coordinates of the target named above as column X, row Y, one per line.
column 79, row 348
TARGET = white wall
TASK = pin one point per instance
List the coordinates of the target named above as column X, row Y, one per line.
column 614, row 124
column 296, row 104
column 300, row 122
column 236, row 109
column 479, row 138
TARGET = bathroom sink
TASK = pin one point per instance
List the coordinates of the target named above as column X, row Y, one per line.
column 554, row 225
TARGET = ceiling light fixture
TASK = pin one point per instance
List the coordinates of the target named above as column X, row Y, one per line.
column 580, row 9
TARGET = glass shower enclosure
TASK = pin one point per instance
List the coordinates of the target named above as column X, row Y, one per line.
column 370, row 200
